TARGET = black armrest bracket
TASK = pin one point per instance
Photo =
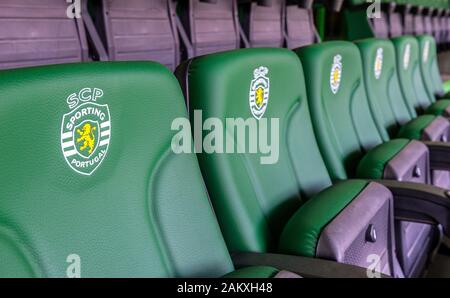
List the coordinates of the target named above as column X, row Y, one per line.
column 303, row 266
column 418, row 202
column 439, row 155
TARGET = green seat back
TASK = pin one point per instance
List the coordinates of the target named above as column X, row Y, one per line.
column 143, row 212
column 382, row 85
column 254, row 201
column 340, row 112
column 408, row 67
column 429, row 65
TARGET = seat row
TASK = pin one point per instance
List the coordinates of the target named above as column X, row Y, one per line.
column 400, row 17
column 167, row 31
column 96, row 165
column 333, row 128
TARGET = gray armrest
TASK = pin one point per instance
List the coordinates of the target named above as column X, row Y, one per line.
column 305, row 267
column 439, row 155
column 420, row 203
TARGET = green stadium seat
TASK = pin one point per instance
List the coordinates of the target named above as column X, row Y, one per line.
column 387, row 103
column 349, row 138
column 340, row 111
column 133, row 209
column 285, row 206
column 412, row 83
column 429, row 65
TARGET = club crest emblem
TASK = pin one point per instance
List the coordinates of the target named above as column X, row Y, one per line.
column 85, row 131
column 259, row 92
column 378, row 63
column 336, row 74
column 426, row 51
column 406, row 56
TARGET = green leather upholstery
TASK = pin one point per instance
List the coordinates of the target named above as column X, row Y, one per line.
column 253, row 272
column 412, row 82
column 381, row 81
column 372, row 165
column 414, row 129
column 388, row 105
column 342, row 122
column 429, row 65
column 351, row 143
column 143, row 213
column 440, row 107
column 302, row 232
column 386, row 100
column 408, row 68
column 446, row 87
column 254, row 202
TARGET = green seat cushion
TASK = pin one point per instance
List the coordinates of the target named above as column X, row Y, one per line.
column 253, row 272
column 438, row 108
column 414, row 128
column 301, row 234
column 446, row 87
column 356, row 2
column 373, row 163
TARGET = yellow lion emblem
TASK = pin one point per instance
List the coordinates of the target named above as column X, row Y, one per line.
column 259, row 96
column 336, row 76
column 87, row 137
column 378, row 65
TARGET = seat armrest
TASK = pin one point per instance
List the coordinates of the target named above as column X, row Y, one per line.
column 303, row 266
column 439, row 155
column 420, row 203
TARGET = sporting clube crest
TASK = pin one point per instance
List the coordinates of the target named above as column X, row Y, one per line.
column 85, row 131
column 254, row 134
